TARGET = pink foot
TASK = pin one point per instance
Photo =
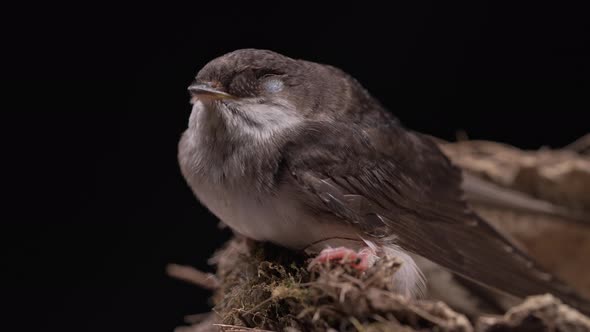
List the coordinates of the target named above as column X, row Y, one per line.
column 361, row 260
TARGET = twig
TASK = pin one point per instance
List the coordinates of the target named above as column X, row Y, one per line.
column 235, row 328
column 197, row 318
column 193, row 276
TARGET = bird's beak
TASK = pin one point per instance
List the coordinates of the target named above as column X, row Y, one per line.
column 205, row 91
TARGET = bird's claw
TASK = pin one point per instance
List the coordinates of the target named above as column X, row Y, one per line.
column 360, row 260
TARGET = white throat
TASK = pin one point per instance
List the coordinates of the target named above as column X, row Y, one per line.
column 249, row 122
column 233, row 140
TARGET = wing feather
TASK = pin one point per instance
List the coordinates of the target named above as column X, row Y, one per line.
column 388, row 181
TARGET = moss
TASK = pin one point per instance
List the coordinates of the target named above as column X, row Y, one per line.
column 270, row 288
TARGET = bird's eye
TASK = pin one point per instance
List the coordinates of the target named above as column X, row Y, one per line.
column 272, row 84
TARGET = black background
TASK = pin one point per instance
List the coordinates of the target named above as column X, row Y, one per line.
column 96, row 100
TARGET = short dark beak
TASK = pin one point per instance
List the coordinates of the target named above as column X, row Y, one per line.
column 206, row 91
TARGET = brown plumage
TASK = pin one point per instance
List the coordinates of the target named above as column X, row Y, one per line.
column 298, row 153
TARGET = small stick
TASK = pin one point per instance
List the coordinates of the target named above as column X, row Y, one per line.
column 193, row 276
column 236, row 328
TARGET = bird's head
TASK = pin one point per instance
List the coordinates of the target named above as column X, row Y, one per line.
column 248, row 76
column 250, row 90
column 262, row 92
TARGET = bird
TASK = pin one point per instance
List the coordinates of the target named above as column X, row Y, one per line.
column 301, row 155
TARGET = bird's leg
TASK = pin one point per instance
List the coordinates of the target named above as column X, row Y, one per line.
column 360, row 260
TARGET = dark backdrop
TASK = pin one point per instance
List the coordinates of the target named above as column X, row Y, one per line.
column 97, row 100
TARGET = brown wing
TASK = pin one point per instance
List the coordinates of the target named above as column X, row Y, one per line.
column 388, row 181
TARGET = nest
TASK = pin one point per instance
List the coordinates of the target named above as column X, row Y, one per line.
column 262, row 287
